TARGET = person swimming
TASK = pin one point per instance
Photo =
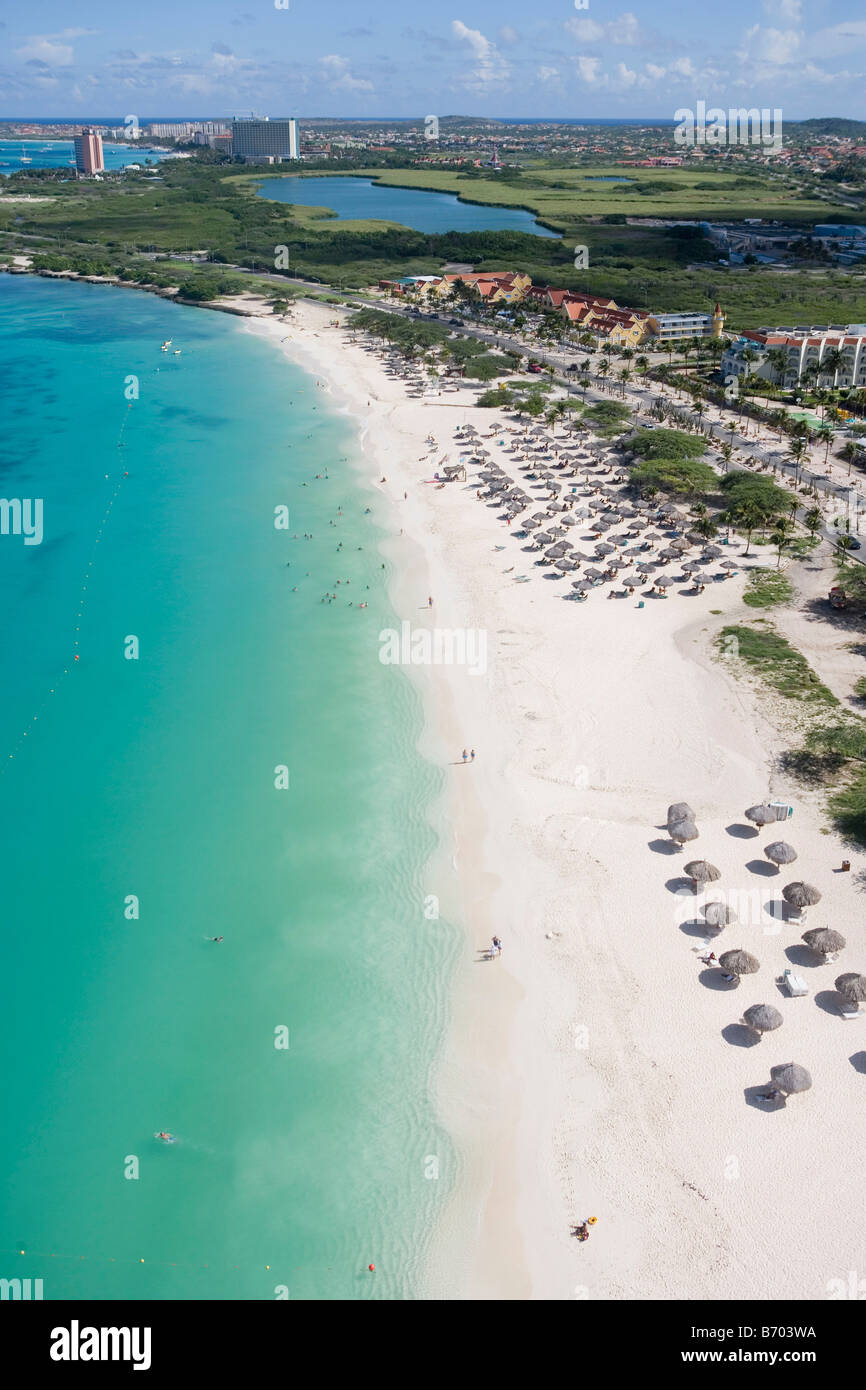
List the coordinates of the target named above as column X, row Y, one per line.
column 165, row 1136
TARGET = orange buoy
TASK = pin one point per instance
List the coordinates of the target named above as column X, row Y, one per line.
column 372, row 1268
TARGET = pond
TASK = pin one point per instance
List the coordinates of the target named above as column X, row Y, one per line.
column 421, row 209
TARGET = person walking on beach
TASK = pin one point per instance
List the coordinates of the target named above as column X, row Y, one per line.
column 496, row 948
column 465, row 755
column 472, row 756
column 429, row 602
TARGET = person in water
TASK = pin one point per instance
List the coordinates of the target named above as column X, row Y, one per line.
column 214, row 938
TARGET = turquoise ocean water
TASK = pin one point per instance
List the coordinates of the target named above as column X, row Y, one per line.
column 155, row 777
column 59, row 154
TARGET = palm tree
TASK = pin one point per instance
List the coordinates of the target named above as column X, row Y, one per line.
column 781, row 536
column 625, row 378
column 796, row 451
column 807, row 374
column 832, row 361
column 706, row 527
column 642, row 364
column 603, row 368
column 812, row 520
column 826, row 434
column 726, row 451
column 749, row 515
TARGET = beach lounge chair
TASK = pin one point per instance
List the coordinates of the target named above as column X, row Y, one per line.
column 795, row 984
column 848, row 1009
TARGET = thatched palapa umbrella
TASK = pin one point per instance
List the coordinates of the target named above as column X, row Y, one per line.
column 779, row 852
column 719, row 915
column 852, row 987
column 679, row 810
column 739, row 963
column 800, row 895
column 699, row 871
column 763, row 1018
column 682, row 831
column 823, row 941
column 761, row 815
column 790, row 1077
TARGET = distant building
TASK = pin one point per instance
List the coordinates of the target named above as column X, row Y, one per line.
column 674, row 328
column 254, row 140
column 787, row 355
column 88, row 152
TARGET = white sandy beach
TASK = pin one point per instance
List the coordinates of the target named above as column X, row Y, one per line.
column 589, row 1071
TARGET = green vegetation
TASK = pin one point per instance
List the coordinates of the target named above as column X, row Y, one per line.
column 767, row 588
column 779, row 664
column 668, row 444
column 608, row 418
column 685, row 477
column 203, row 204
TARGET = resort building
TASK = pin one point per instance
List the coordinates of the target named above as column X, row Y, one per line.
column 674, row 328
column 787, row 356
column 88, row 152
column 254, row 140
column 495, row 287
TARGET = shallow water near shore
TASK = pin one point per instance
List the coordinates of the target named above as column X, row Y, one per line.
column 153, row 779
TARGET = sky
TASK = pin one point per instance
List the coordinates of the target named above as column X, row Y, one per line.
column 411, row 58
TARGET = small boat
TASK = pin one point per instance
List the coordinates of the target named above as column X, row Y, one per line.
column 176, row 352
column 166, row 345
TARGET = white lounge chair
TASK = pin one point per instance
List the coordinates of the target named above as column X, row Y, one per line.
column 849, row 1010
column 795, row 984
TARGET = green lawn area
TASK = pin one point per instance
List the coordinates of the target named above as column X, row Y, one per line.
column 766, row 588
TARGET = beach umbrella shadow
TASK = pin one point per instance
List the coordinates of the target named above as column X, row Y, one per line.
column 752, row 1095
column 829, row 1002
column 738, row 1035
column 664, row 847
column 858, row 1062
column 764, row 870
column 799, row 954
column 742, row 832
column 680, row 886
column 712, row 978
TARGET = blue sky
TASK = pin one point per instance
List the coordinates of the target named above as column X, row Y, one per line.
column 416, row 57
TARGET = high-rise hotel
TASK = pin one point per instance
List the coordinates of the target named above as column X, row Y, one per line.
column 265, row 140
column 88, row 152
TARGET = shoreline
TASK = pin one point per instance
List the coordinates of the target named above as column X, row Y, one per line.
column 593, row 718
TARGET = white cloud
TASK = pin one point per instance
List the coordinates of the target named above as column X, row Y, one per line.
column 339, row 77
column 548, row 74
column 624, row 31
column 41, row 48
column 508, row 35
column 585, row 30
column 774, row 46
column 587, row 69
column 683, row 66
column 839, row 39
column 491, row 68
column 655, row 72
column 624, row 78
column 791, row 10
